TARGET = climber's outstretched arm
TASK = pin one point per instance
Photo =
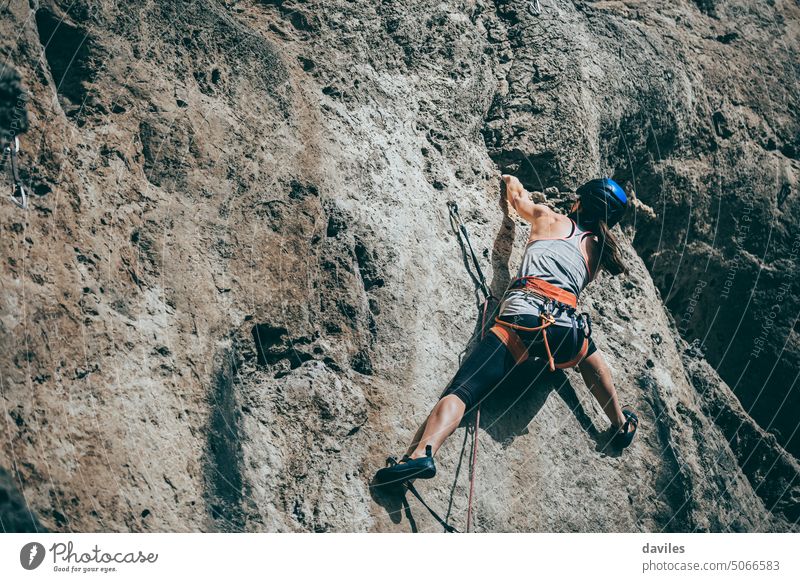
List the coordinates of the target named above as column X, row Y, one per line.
column 597, row 376
column 520, row 200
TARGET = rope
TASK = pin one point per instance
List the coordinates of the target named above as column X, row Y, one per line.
column 447, row 527
column 474, row 460
column 472, row 464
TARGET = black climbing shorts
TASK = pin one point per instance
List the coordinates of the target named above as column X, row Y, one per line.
column 490, row 362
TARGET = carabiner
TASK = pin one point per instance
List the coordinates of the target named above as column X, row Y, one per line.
column 586, row 324
column 19, row 195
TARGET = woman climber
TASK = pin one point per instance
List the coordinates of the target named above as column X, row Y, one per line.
column 537, row 317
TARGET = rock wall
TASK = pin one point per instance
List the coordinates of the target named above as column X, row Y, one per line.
column 693, row 104
column 237, row 287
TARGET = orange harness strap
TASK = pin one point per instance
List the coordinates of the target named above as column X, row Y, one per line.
column 544, row 289
column 508, row 335
column 511, row 340
column 578, row 358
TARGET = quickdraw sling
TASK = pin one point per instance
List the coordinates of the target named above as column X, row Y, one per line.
column 19, row 195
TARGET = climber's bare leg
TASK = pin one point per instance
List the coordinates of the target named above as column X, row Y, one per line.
column 417, row 437
column 442, row 421
column 597, row 376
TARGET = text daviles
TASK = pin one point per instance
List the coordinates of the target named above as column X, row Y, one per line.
column 662, row 549
column 65, row 553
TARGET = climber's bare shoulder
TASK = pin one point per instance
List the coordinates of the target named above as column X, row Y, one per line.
column 549, row 224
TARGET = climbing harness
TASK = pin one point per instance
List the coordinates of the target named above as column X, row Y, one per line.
column 19, row 195
column 552, row 298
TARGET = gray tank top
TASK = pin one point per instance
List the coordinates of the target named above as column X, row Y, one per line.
column 559, row 261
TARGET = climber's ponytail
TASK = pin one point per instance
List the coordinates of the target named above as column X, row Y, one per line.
column 610, row 253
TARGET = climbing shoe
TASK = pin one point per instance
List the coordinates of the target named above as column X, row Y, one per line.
column 407, row 469
column 627, row 431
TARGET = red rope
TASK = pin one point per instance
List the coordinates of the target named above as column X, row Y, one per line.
column 474, row 460
column 472, row 466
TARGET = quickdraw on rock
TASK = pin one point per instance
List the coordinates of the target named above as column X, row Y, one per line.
column 456, row 217
column 19, row 194
column 488, row 297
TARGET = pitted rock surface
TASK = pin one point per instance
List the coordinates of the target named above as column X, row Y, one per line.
column 237, row 288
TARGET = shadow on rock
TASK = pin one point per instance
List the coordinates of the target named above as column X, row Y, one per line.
column 511, row 406
column 16, row 516
column 509, row 409
column 392, row 498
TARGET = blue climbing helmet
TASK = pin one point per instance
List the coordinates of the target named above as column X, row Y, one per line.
column 602, row 199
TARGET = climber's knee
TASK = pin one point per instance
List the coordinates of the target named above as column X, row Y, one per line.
column 460, row 394
column 452, row 405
